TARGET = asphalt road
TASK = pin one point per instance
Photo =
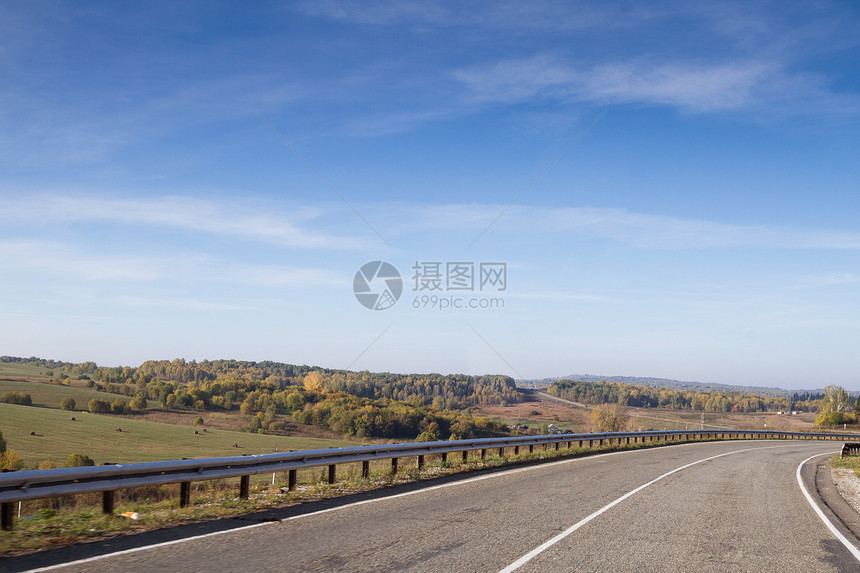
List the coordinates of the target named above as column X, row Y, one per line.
column 723, row 506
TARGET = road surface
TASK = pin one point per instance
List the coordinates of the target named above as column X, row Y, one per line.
column 719, row 506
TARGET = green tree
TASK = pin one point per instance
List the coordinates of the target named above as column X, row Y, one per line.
column 2, row 443
column 67, row 404
column 833, row 408
column 139, row 402
column 78, row 460
column 99, row 406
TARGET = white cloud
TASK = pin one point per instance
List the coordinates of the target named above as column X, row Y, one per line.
column 57, row 259
column 697, row 87
column 181, row 303
column 281, row 276
column 280, row 227
column 640, row 230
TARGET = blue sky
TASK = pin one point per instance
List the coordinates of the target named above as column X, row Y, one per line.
column 673, row 189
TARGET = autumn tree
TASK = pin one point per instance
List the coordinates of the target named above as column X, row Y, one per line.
column 609, row 418
column 314, row 381
column 78, row 460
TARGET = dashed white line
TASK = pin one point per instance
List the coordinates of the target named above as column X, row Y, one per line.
column 549, row 543
column 386, row 498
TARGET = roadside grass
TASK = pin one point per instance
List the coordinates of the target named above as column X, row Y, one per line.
column 57, row 436
column 851, row 462
column 51, row 523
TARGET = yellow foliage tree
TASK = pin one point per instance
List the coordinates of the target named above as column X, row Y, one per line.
column 314, row 381
column 609, row 418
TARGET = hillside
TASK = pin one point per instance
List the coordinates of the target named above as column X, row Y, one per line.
column 667, row 384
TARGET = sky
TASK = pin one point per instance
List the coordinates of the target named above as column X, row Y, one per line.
column 614, row 188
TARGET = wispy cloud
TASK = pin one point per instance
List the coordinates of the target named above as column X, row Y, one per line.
column 55, row 258
column 282, row 276
column 696, row 87
column 641, row 230
column 281, row 227
column 181, row 303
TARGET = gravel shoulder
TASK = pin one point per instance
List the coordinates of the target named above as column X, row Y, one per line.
column 848, row 485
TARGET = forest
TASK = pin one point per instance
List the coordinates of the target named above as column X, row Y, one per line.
column 361, row 404
column 711, row 401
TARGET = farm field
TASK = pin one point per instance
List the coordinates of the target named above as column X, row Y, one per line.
column 96, row 435
column 577, row 419
column 50, row 395
column 25, row 370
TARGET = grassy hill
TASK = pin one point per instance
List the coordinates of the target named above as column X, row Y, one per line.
column 95, row 435
column 50, row 395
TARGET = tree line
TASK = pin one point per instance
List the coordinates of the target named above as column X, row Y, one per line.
column 708, row 401
column 361, row 404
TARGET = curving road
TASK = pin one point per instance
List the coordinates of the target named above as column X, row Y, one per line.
column 723, row 506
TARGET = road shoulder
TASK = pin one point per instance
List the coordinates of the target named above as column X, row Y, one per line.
column 840, row 511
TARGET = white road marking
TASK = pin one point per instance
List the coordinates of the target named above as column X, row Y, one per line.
column 549, row 543
column 366, row 501
column 848, row 545
column 136, row 549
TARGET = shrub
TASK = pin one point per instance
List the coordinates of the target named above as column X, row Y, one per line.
column 16, row 398
column 119, row 406
column 67, row 404
column 47, row 465
column 78, row 461
column 198, row 421
column 10, row 460
column 99, row 406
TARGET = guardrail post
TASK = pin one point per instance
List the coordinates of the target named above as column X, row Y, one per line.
column 420, row 461
column 483, row 453
column 331, row 473
column 465, row 456
column 365, row 469
column 184, row 494
column 501, row 452
column 6, row 515
column 393, row 466
column 291, row 480
column 531, row 448
column 556, row 446
column 444, row 457
column 107, row 501
column 244, row 487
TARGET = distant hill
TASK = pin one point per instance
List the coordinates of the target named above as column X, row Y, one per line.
column 666, row 383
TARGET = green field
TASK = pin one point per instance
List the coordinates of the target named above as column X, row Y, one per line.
column 95, row 435
column 10, row 369
column 50, row 395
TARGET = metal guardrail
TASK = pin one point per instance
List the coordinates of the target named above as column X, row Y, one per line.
column 849, row 448
column 34, row 484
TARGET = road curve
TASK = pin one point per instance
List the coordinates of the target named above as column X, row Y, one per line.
column 719, row 506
